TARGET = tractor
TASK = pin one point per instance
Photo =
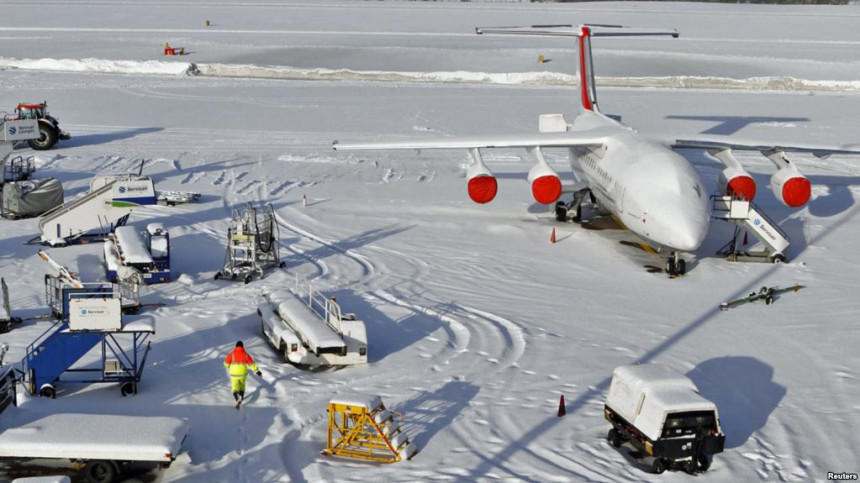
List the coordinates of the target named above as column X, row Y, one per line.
column 49, row 126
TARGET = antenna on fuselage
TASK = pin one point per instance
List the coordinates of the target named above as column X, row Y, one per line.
column 585, row 67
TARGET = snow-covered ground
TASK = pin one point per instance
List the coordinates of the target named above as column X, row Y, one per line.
column 477, row 324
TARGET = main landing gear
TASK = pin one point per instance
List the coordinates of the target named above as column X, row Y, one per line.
column 675, row 265
column 563, row 210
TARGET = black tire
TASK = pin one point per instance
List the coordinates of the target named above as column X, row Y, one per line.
column 614, row 438
column 128, row 389
column 100, row 471
column 247, row 279
column 47, row 137
column 671, row 269
column 690, row 466
column 768, row 300
column 780, row 258
column 658, row 466
column 48, row 391
column 560, row 211
column 282, row 264
column 218, row 276
column 682, row 266
column 704, row 462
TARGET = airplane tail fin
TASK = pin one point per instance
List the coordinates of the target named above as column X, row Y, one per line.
column 583, row 33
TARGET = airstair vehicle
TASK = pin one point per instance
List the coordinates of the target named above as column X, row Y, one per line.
column 141, row 257
column 252, row 244
column 107, row 205
column 6, row 318
column 310, row 329
column 746, row 215
column 360, row 426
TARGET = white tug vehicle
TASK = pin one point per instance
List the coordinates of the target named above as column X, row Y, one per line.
column 310, row 329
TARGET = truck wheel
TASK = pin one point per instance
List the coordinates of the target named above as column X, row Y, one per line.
column 47, row 138
column 218, row 276
column 659, row 465
column 100, row 471
column 48, row 390
column 127, row 389
column 614, row 438
column 704, row 462
column 247, row 279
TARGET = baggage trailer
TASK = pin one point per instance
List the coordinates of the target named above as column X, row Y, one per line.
column 138, row 257
column 661, row 413
column 310, row 329
column 105, row 444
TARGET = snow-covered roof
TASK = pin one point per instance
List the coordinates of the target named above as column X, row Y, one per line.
column 138, row 323
column 91, row 436
column 155, row 228
column 131, row 246
column 644, row 394
column 311, row 327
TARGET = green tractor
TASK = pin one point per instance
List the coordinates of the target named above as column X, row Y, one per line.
column 49, row 126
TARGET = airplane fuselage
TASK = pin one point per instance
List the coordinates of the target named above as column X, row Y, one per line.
column 651, row 189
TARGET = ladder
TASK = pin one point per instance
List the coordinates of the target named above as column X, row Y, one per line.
column 746, row 215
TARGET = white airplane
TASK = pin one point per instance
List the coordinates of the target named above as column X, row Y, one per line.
column 643, row 183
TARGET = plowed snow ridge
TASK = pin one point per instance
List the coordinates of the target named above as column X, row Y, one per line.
column 468, row 77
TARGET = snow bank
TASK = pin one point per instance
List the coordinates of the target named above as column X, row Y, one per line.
column 153, row 67
column 149, row 67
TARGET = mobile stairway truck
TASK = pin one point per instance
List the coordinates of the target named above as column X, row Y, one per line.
column 105, row 444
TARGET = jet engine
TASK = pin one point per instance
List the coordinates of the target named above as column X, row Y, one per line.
column 736, row 181
column 546, row 185
column 481, row 182
column 788, row 185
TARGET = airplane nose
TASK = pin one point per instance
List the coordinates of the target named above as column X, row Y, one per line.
column 681, row 227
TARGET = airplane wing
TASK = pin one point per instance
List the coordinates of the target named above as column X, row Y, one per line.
column 717, row 143
column 535, row 140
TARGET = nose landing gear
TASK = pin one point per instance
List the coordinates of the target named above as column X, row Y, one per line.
column 675, row 265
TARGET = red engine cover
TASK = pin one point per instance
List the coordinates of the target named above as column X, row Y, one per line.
column 742, row 187
column 546, row 189
column 796, row 191
column 482, row 188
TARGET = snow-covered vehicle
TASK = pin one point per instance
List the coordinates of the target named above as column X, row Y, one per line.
column 663, row 415
column 311, row 330
column 140, row 256
column 104, row 444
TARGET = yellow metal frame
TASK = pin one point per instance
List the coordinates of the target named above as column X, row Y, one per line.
column 353, row 433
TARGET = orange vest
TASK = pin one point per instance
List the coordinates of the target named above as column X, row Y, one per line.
column 238, row 362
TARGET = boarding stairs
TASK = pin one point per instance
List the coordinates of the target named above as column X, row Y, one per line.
column 83, row 214
column 360, row 426
column 745, row 215
column 54, row 352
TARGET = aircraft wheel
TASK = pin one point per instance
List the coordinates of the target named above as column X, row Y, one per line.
column 682, row 266
column 671, row 268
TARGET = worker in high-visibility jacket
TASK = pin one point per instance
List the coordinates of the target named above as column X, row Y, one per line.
column 237, row 363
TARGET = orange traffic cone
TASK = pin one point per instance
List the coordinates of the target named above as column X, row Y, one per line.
column 561, row 410
column 552, row 237
column 746, row 239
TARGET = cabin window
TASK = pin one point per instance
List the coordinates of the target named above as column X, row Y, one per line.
column 690, row 422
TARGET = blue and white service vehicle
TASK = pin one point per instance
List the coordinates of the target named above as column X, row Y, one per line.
column 141, row 256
